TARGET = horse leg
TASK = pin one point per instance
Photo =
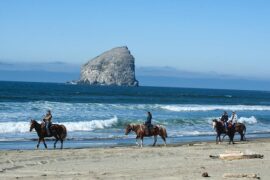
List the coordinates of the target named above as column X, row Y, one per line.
column 45, row 145
column 39, row 139
column 164, row 139
column 141, row 142
column 54, row 145
column 137, row 140
column 155, row 140
column 231, row 136
column 218, row 139
column 224, row 137
column 61, row 143
column 242, row 136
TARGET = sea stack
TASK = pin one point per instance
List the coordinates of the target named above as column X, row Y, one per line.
column 115, row 67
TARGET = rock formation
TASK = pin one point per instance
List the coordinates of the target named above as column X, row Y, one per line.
column 115, row 67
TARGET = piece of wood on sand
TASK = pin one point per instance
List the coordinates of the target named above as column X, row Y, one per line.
column 233, row 175
column 236, row 155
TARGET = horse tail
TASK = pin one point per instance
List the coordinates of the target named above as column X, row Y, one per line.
column 63, row 135
column 244, row 129
column 163, row 131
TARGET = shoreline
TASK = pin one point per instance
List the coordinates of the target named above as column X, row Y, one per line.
column 180, row 161
column 115, row 143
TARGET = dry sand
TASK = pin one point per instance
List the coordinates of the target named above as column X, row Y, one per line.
column 187, row 161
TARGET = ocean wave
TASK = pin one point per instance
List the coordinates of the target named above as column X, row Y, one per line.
column 246, row 120
column 23, row 127
column 190, row 133
column 91, row 125
column 183, row 108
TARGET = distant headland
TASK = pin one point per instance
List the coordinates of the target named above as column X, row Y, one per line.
column 115, row 67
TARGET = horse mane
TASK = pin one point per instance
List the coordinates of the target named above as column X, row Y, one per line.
column 34, row 121
column 134, row 127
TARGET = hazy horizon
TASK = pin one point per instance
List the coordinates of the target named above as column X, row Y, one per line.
column 60, row 72
column 227, row 41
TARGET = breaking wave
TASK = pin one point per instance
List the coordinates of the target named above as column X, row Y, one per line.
column 23, row 127
column 180, row 108
column 90, row 125
column 246, row 120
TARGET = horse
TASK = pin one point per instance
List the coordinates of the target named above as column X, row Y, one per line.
column 241, row 129
column 139, row 130
column 59, row 132
column 220, row 129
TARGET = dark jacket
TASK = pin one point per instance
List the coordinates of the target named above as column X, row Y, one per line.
column 224, row 118
column 149, row 119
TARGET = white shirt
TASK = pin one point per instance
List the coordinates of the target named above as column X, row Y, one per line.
column 234, row 118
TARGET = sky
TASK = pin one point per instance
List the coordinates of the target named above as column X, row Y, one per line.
column 225, row 37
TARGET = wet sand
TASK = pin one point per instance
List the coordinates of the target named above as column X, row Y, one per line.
column 186, row 161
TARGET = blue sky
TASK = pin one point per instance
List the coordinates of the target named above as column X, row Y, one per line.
column 227, row 37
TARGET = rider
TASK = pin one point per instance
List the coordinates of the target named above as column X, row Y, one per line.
column 47, row 119
column 233, row 118
column 224, row 118
column 148, row 123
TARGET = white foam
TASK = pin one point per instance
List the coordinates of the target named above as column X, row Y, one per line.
column 23, row 127
column 90, row 125
column 14, row 127
column 250, row 120
column 180, row 108
column 245, row 120
column 181, row 133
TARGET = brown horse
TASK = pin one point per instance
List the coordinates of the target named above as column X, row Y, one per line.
column 139, row 129
column 220, row 129
column 57, row 131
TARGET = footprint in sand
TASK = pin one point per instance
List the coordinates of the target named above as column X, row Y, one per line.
column 43, row 162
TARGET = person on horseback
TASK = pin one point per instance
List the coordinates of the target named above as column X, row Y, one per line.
column 48, row 121
column 148, row 123
column 233, row 118
column 224, row 118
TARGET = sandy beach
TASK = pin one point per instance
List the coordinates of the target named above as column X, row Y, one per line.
column 186, row 161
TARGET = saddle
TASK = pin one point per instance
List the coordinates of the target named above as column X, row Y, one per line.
column 51, row 128
column 149, row 130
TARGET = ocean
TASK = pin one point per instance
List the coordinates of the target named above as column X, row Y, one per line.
column 97, row 116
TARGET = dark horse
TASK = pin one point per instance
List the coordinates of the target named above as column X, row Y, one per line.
column 57, row 131
column 139, row 129
column 220, row 129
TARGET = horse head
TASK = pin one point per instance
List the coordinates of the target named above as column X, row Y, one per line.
column 32, row 124
column 214, row 123
column 128, row 129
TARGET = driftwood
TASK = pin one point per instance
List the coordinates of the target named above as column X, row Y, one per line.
column 236, row 155
column 249, row 175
